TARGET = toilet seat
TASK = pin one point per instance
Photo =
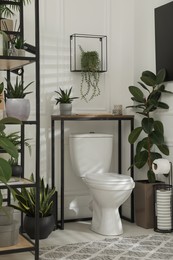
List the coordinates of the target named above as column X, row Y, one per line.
column 110, row 181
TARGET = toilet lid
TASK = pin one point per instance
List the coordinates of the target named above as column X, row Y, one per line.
column 106, row 178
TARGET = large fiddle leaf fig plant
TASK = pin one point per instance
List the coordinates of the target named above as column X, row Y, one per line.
column 150, row 134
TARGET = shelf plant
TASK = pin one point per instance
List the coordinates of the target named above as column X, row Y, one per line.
column 17, row 90
column 152, row 143
column 26, row 203
column 7, row 10
column 64, row 99
column 9, row 148
column 15, row 138
column 16, row 104
column 90, row 66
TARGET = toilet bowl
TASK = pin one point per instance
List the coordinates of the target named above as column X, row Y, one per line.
column 109, row 191
column 91, row 159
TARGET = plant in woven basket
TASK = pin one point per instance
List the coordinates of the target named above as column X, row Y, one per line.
column 90, row 65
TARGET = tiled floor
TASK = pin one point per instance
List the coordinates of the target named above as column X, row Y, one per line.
column 76, row 232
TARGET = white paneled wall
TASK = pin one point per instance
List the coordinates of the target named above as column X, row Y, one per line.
column 129, row 25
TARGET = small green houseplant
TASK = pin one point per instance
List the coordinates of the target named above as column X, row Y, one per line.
column 9, row 148
column 26, row 203
column 19, row 45
column 64, row 99
column 90, row 66
column 17, row 90
column 15, row 138
column 151, row 129
column 16, row 104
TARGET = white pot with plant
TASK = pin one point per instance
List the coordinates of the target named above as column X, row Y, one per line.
column 65, row 101
column 16, row 104
column 19, row 45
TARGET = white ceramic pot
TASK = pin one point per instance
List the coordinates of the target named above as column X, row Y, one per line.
column 20, row 52
column 65, row 109
column 18, row 108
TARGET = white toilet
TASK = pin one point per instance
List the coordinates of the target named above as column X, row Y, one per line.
column 91, row 159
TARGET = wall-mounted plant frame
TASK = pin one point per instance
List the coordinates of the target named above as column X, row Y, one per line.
column 88, row 43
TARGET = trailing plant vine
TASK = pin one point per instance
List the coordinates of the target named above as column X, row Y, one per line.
column 90, row 66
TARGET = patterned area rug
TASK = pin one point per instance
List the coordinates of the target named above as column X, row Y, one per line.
column 159, row 246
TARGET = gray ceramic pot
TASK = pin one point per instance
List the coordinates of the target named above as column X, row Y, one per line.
column 65, row 109
column 18, row 108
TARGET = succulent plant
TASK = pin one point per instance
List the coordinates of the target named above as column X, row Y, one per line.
column 64, row 96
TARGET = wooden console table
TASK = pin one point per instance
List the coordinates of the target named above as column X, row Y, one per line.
column 88, row 117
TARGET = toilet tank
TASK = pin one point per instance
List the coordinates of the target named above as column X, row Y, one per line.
column 90, row 153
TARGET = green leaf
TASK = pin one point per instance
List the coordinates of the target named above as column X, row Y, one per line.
column 158, row 127
column 157, row 138
column 5, row 171
column 8, row 146
column 137, row 94
column 147, row 125
column 149, row 78
column 10, row 120
column 164, row 149
column 145, row 143
column 155, row 156
column 151, row 176
column 141, row 159
column 139, row 146
column 163, row 105
column 1, row 87
column 134, row 135
column 160, row 77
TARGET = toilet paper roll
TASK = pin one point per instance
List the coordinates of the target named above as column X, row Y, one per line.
column 161, row 166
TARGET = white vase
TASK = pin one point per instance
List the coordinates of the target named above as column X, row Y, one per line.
column 65, row 109
column 18, row 108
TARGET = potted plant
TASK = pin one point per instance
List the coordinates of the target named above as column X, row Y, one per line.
column 15, row 138
column 16, row 104
column 151, row 145
column 65, row 100
column 8, row 147
column 90, row 66
column 19, row 45
column 7, row 11
column 26, row 202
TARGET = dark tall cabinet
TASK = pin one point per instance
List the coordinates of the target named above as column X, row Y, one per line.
column 16, row 65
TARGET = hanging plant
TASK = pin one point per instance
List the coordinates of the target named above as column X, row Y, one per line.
column 90, row 66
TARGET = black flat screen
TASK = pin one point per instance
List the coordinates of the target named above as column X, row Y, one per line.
column 164, row 39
